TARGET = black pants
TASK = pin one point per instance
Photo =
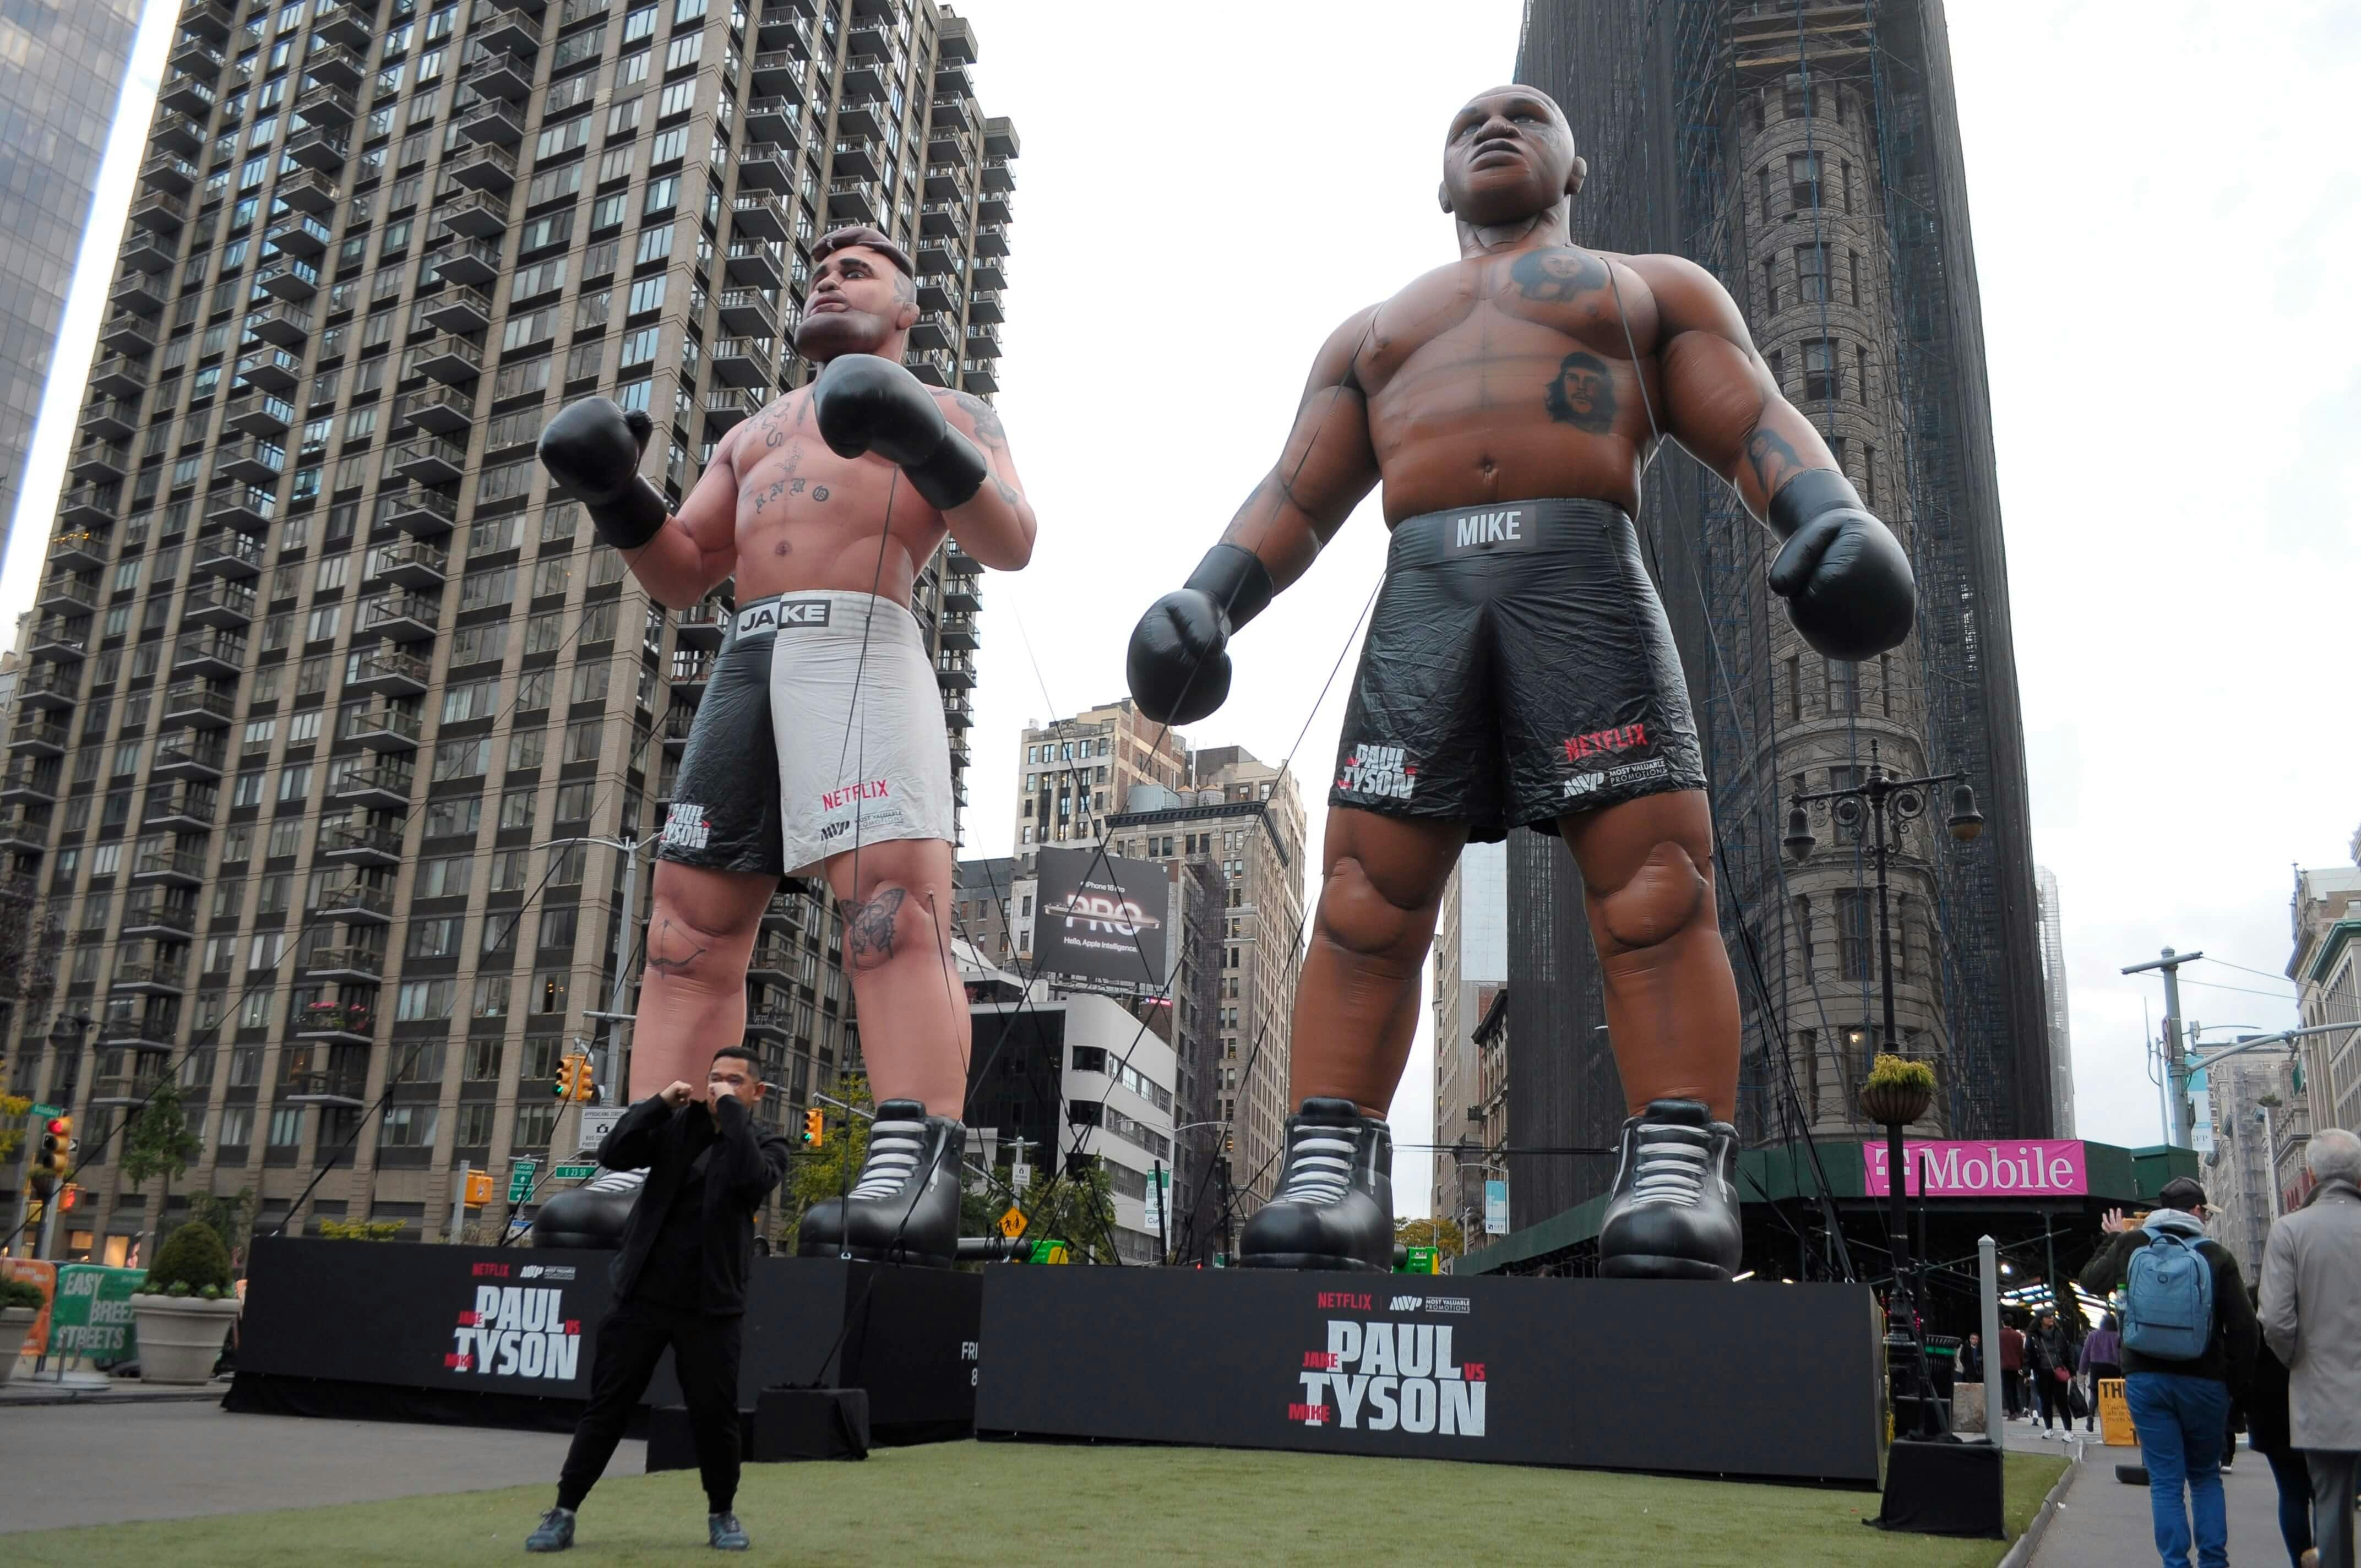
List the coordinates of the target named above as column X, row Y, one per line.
column 2054, row 1400
column 705, row 1358
column 2334, row 1474
column 2012, row 1391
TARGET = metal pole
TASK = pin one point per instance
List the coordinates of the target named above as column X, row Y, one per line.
column 612, row 1062
column 2271, row 1162
column 459, row 1200
column 1163, row 1202
column 1885, row 929
column 1988, row 1271
column 2176, row 1060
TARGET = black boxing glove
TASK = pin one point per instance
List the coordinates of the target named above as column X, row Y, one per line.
column 1178, row 668
column 1844, row 576
column 592, row 451
column 865, row 403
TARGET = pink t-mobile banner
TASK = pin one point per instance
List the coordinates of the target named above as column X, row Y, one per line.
column 2044, row 1166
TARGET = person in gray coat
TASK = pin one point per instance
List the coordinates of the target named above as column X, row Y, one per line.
column 2312, row 1319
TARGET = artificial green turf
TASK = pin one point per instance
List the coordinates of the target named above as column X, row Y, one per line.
column 1021, row 1503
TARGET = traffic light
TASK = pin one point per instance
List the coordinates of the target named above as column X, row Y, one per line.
column 585, row 1090
column 573, row 1080
column 57, row 1145
column 815, row 1127
column 479, row 1188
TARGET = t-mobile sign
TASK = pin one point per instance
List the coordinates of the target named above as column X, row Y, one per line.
column 2040, row 1165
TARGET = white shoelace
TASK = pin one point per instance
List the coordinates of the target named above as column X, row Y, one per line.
column 1318, row 1166
column 893, row 1151
column 1671, row 1169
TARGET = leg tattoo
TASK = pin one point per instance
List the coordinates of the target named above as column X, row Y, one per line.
column 869, row 926
column 666, row 954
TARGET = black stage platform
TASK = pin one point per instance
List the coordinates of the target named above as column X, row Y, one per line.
column 1774, row 1381
column 491, row 1336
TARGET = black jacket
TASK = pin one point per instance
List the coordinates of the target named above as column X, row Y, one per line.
column 746, row 1163
column 2230, row 1354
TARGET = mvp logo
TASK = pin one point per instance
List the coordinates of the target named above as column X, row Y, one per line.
column 517, row 1332
column 1486, row 531
column 1404, row 1304
column 1391, row 1376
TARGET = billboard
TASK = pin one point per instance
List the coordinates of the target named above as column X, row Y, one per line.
column 2039, row 1167
column 1101, row 918
column 1496, row 1207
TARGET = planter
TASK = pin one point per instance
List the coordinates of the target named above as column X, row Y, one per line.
column 181, row 1336
column 1892, row 1104
column 16, row 1323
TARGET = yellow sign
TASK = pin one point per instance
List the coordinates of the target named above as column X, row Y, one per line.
column 1012, row 1223
column 2114, row 1415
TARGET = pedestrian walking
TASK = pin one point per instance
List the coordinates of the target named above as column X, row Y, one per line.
column 2012, row 1369
column 2049, row 1360
column 2267, row 1434
column 2312, row 1317
column 680, row 1280
column 2189, row 1338
column 2103, row 1359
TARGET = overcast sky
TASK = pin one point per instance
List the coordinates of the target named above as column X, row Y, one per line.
column 2165, row 215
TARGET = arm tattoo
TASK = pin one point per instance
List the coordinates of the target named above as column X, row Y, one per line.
column 1582, row 393
column 988, row 428
column 869, row 927
column 1773, row 460
column 663, row 951
column 1008, row 492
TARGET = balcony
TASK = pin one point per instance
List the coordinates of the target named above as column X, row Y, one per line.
column 955, row 671
column 483, row 168
column 59, row 637
column 385, row 787
column 201, row 758
column 961, row 595
column 298, row 235
column 937, row 254
column 779, row 72
column 999, row 175
column 952, row 112
column 493, row 121
column 151, row 912
column 34, row 735
column 345, row 22
column 49, row 685
column 137, row 293
column 321, row 148
column 288, row 277
column 78, row 549
column 476, row 262
column 22, row 832
column 216, row 654
column 771, row 1023
column 360, row 844
column 866, row 75
column 947, row 182
column 199, row 704
column 507, row 32
column 725, row 408
column 852, row 201
column 380, row 727
column 460, row 310
column 29, row 781
column 956, row 42
column 991, row 239
column 308, row 191
column 339, row 1023
column 771, row 119
column 183, row 808
column 451, row 359
column 506, row 77
column 754, row 262
column 766, row 166
column 177, row 133
column 243, row 508
column 150, row 252
column 1000, row 138
column 446, row 411
column 253, row 458
column 334, row 63
column 430, row 459
column 480, row 214
column 403, row 616
column 958, row 712
column 984, row 308
column 980, row 375
column 90, row 506
column 152, row 977
column 176, row 866
column 357, row 903
column 420, row 513
column 959, row 632
column 941, row 218
column 996, row 207
column 325, row 105
column 228, row 555
column 412, row 564
column 772, row 961
column 224, row 604
column 67, row 593
column 128, row 334
column 185, row 94
column 742, row 361
column 758, row 217
column 951, row 81
column 679, row 718
column 272, row 369
column 689, row 674
column 783, row 24
column 210, row 19
column 982, row 342
column 932, row 330
column 703, row 625
column 860, row 120
column 750, row 312
column 386, row 672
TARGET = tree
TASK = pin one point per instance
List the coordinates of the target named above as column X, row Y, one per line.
column 158, row 1141
column 1442, row 1234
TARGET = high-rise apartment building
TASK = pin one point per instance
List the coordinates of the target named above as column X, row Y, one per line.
column 1471, row 962
column 333, row 709
column 2053, row 982
column 1808, row 156
column 1079, row 770
column 62, row 67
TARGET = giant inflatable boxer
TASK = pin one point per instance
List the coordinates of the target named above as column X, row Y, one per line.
column 820, row 746
column 1519, row 669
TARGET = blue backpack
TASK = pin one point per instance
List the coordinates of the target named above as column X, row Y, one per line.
column 2169, row 1307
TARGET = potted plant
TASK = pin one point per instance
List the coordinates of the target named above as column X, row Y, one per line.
column 1897, row 1091
column 21, row 1303
column 185, row 1307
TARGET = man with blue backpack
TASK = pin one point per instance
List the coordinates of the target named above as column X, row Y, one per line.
column 2189, row 1338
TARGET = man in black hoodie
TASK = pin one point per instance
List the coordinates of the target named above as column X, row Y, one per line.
column 2181, row 1408
column 680, row 1280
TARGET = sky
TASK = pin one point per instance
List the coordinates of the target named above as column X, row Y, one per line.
column 2165, row 215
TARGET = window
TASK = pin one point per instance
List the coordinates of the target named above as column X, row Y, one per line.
column 557, row 925
column 683, row 51
column 480, row 644
column 470, row 699
column 1812, row 271
column 461, row 758
column 638, row 347
column 489, row 586
column 590, row 683
column 678, row 98
column 295, row 782
column 670, row 146
column 473, row 1127
column 534, row 690
column 491, row 999
column 435, row 938
column 566, row 863
column 535, row 1121
column 516, row 810
column 508, row 871
column 1803, row 931
column 407, row 1126
column 505, row 481
column 582, row 740
column 647, row 295
column 448, row 818
column 1853, row 947
column 574, row 801
column 500, row 931
column 422, row 1000
column 1820, row 368
column 1802, row 179
column 549, row 992
column 655, row 244
column 445, row 876
column 550, row 575
column 268, row 948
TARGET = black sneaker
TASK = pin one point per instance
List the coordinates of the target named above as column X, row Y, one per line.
column 1335, row 1208
column 592, row 1216
column 1673, row 1215
column 905, row 1206
column 555, row 1533
column 725, row 1534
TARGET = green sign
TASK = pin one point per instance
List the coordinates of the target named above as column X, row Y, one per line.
column 91, row 1315
column 37, row 1109
column 1422, row 1260
column 520, row 1179
column 575, row 1172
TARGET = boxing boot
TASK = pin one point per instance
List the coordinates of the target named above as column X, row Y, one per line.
column 1672, row 1214
column 591, row 1216
column 1335, row 1208
column 905, row 1204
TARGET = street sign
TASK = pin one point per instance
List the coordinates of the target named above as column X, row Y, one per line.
column 598, row 1121
column 520, row 1179
column 37, row 1109
column 1159, row 1182
column 1020, row 1175
column 575, row 1172
column 1012, row 1223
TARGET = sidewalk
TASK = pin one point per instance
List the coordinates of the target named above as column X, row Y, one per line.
column 2103, row 1523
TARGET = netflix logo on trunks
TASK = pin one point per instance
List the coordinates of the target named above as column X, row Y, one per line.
column 1376, row 1375
column 868, row 789
column 516, row 1333
column 1383, row 771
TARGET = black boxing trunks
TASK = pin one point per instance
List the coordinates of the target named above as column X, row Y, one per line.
column 1519, row 668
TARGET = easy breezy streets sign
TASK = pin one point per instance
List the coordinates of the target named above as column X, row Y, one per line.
column 2038, row 1168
